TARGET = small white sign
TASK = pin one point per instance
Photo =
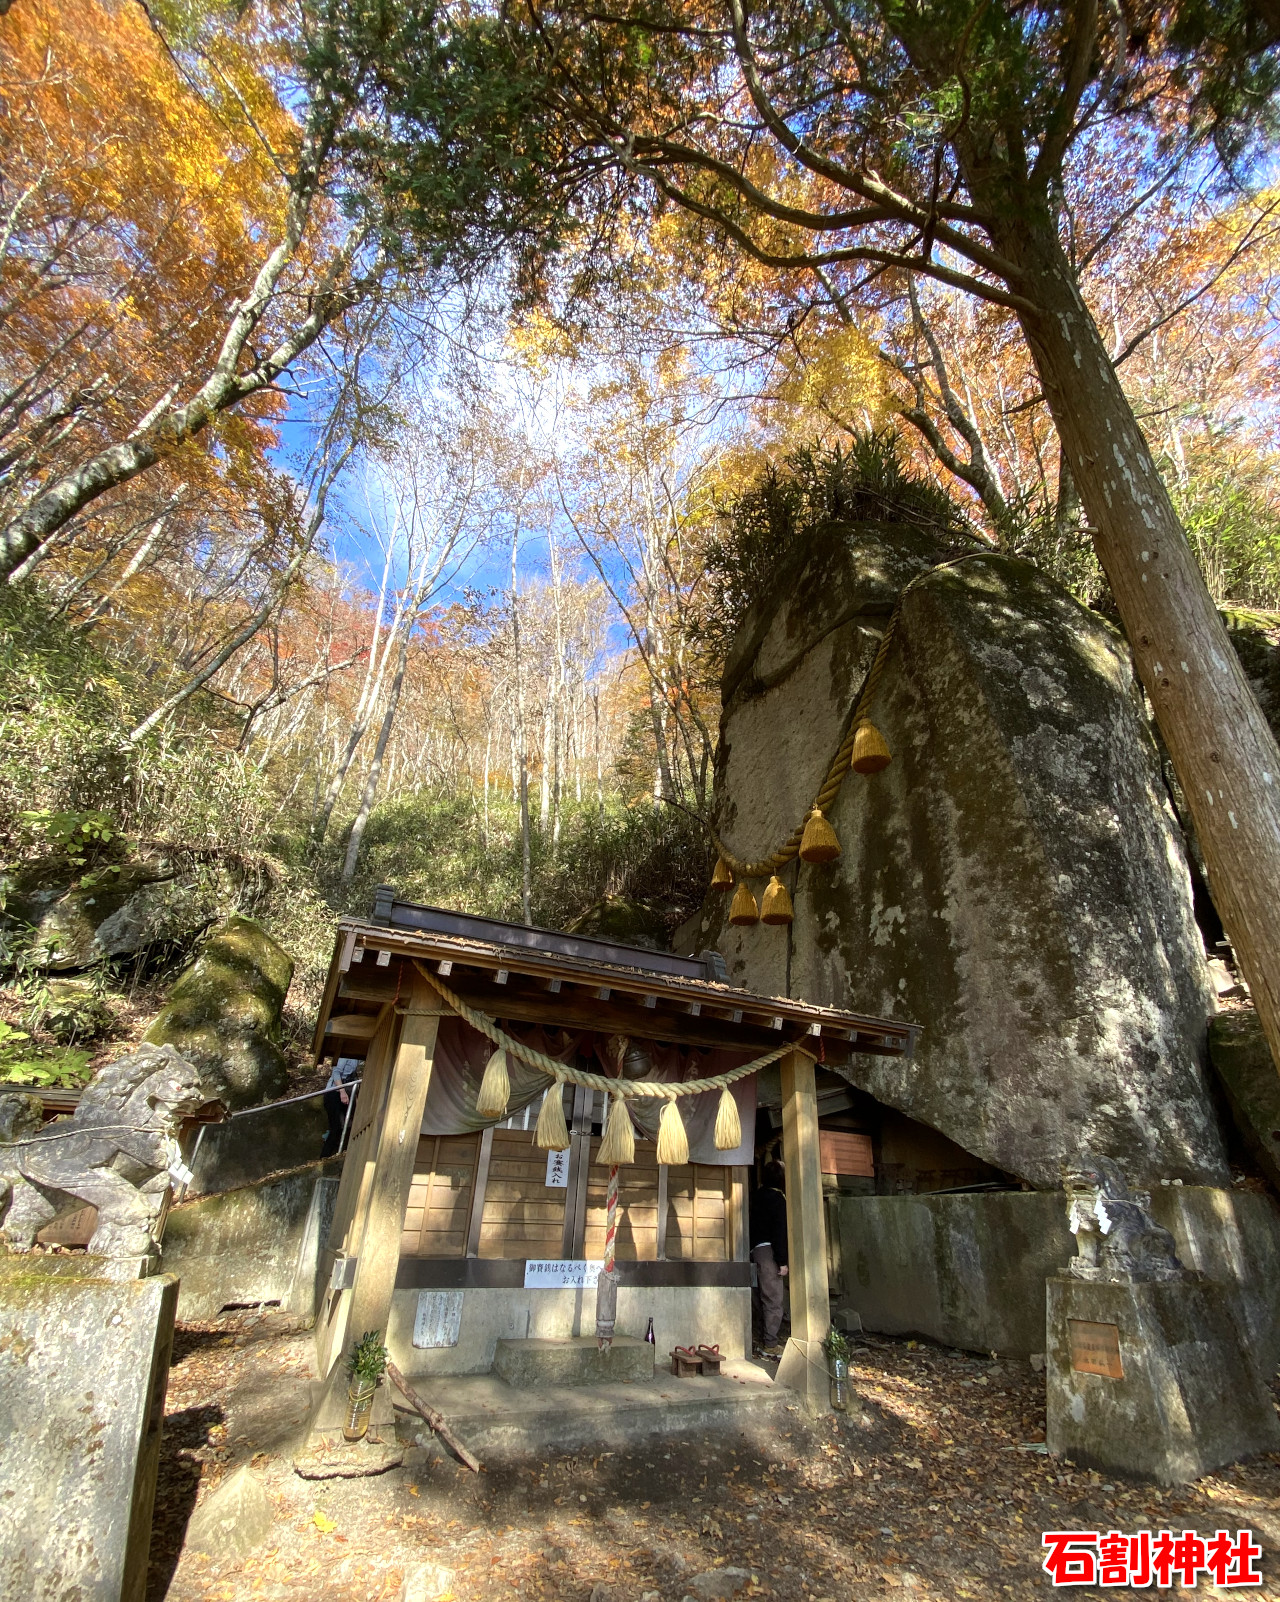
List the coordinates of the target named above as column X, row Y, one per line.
column 566, row 1273
column 439, row 1318
column 558, row 1169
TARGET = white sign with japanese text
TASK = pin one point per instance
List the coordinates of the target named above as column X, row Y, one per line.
column 558, row 1169
column 564, row 1273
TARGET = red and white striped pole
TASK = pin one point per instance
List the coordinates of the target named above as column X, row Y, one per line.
column 607, row 1285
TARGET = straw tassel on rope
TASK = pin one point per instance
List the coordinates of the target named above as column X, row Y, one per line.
column 870, row 751
column 619, row 1143
column 673, row 1142
column 552, row 1133
column 743, row 909
column 722, row 877
column 728, row 1123
column 775, row 906
column 819, row 843
column 562, row 1071
column 495, row 1087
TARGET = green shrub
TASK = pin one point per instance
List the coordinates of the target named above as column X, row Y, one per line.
column 66, row 709
column 865, row 481
column 433, row 848
column 23, row 1063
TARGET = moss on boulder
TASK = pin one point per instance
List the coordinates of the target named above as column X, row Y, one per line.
column 632, row 922
column 78, row 919
column 223, row 1014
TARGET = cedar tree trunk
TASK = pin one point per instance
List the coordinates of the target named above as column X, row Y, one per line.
column 1222, row 747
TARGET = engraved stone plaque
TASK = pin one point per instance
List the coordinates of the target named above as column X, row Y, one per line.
column 439, row 1318
column 1095, row 1348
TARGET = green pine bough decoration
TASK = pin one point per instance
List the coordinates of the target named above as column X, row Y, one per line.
column 369, row 1358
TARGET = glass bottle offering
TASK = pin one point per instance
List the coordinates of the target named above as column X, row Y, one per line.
column 649, row 1335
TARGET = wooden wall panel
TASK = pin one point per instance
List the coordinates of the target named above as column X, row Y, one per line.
column 523, row 1216
column 698, row 1217
column 843, row 1152
column 435, row 1221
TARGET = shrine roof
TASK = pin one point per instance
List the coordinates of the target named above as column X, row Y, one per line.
column 522, row 974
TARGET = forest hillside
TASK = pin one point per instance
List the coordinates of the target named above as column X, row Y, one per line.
column 376, row 508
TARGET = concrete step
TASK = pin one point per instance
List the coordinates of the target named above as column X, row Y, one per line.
column 502, row 1424
column 537, row 1364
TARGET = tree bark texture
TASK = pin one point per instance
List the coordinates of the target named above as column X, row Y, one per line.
column 370, row 791
column 1221, row 745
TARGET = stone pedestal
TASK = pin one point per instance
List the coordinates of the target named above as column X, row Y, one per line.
column 1151, row 1379
column 83, row 1367
column 535, row 1364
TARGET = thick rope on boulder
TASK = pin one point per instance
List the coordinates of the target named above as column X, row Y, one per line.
column 872, row 757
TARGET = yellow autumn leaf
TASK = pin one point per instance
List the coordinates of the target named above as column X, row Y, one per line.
column 323, row 1523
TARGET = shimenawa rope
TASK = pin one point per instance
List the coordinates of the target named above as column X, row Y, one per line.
column 844, row 755
column 629, row 1089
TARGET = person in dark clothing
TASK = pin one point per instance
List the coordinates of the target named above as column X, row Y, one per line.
column 769, row 1251
column 337, row 1094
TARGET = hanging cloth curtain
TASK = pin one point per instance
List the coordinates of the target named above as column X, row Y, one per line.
column 460, row 1058
column 670, row 1065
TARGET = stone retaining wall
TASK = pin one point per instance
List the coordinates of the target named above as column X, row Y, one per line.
column 257, row 1243
column 970, row 1271
column 84, row 1364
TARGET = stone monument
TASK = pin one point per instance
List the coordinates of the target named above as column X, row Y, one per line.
column 84, row 1363
column 118, row 1152
column 1147, row 1369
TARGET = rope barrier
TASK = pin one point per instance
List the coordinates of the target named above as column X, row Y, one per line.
column 629, row 1089
column 89, row 1130
column 830, row 787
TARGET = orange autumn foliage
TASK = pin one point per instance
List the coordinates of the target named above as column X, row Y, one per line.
column 134, row 209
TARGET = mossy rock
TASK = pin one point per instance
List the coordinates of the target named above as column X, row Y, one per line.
column 223, row 1014
column 123, row 907
column 630, row 922
column 74, row 1012
column 1256, row 637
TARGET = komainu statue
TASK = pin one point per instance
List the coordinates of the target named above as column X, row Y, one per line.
column 117, row 1152
column 1116, row 1237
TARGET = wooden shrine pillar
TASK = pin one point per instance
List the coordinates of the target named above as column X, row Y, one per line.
column 804, row 1363
column 374, row 1193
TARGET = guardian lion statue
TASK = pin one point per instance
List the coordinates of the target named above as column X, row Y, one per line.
column 1116, row 1237
column 118, row 1152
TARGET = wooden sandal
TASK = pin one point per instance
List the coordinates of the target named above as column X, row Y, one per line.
column 685, row 1362
column 711, row 1359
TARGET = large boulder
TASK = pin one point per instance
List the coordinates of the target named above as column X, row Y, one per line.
column 224, row 1012
column 1014, row 880
column 1239, row 1052
column 118, row 909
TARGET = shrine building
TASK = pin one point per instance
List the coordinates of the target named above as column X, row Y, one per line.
column 453, row 1229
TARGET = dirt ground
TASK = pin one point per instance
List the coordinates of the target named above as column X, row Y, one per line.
column 931, row 1485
